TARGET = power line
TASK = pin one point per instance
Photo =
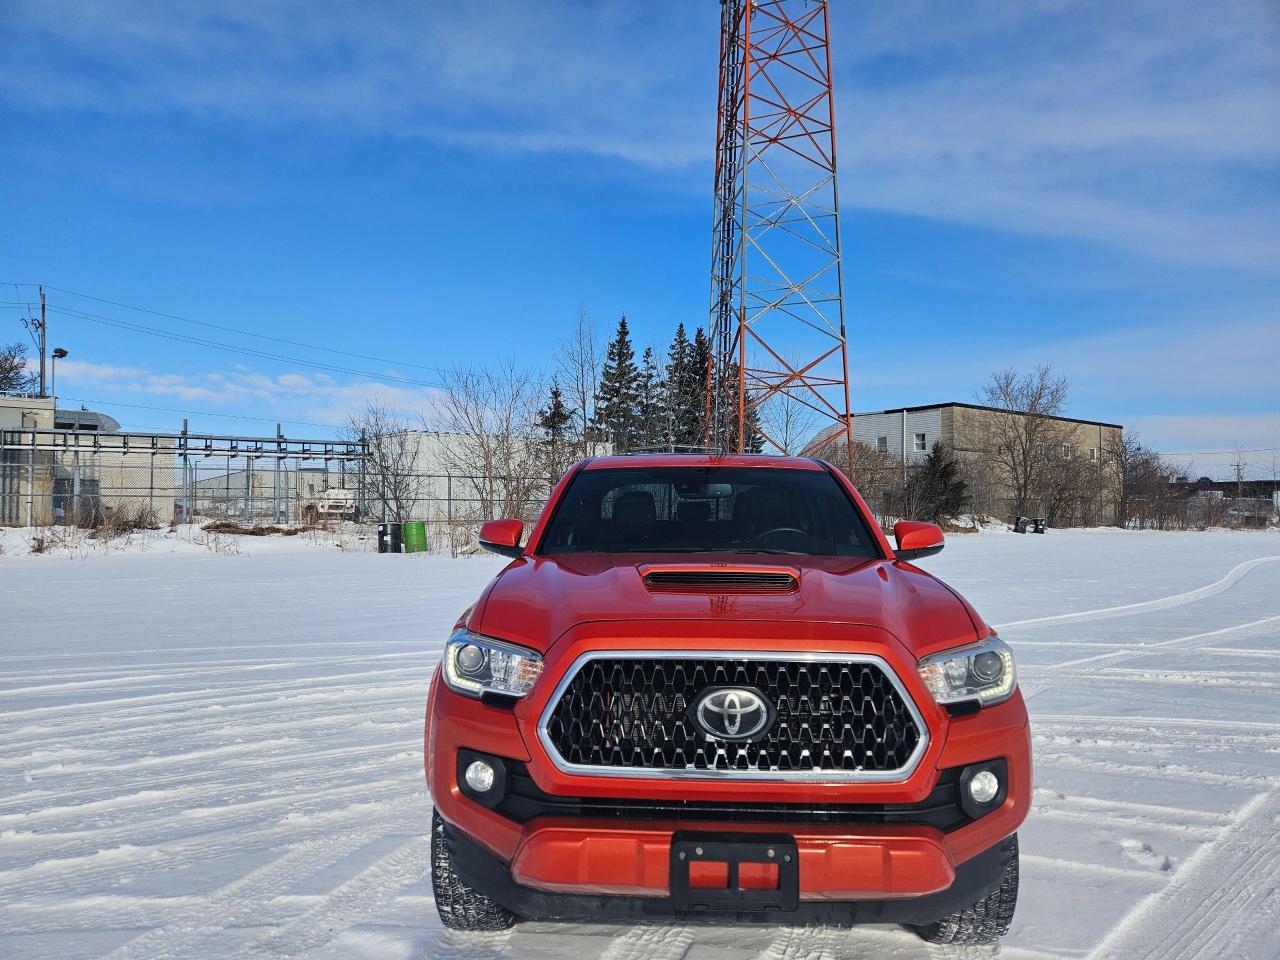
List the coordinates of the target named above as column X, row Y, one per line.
column 227, row 329
column 232, row 348
column 201, row 413
column 1209, row 453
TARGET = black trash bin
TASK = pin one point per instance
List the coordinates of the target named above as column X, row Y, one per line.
column 1020, row 524
column 391, row 538
column 1039, row 525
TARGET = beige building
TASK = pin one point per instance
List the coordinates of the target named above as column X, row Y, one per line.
column 57, row 465
column 1078, row 481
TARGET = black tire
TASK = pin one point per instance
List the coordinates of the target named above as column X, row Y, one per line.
column 986, row 920
column 461, row 906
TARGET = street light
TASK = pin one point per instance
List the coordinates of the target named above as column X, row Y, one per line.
column 58, row 354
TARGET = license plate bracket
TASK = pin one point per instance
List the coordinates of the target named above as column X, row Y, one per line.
column 734, row 849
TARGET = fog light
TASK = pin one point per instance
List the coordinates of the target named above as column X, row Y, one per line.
column 479, row 776
column 983, row 787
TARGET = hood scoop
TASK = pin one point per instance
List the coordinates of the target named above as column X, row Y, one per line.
column 719, row 578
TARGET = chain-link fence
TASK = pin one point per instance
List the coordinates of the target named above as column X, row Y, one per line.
column 86, row 479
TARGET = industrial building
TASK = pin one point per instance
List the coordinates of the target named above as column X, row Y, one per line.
column 908, row 433
column 61, row 465
column 903, row 436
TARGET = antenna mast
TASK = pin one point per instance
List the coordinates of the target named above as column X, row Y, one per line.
column 777, row 290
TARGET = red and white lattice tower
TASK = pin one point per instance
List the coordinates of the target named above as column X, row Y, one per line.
column 777, row 297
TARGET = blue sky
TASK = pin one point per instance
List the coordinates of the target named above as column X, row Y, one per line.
column 1091, row 184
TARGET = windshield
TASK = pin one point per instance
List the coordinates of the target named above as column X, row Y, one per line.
column 706, row 509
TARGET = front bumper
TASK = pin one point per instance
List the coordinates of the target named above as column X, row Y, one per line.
column 976, row 878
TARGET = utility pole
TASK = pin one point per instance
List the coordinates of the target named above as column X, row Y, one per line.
column 1238, row 467
column 39, row 331
column 44, row 339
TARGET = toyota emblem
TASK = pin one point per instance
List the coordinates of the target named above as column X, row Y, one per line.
column 732, row 713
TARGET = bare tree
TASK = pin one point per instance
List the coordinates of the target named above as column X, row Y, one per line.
column 489, row 418
column 1148, row 490
column 391, row 468
column 1023, row 440
column 877, row 474
column 1069, row 488
column 789, row 423
column 13, row 369
column 578, row 362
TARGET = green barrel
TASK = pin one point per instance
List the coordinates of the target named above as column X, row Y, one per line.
column 415, row 537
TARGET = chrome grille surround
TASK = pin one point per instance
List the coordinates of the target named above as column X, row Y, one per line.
column 899, row 773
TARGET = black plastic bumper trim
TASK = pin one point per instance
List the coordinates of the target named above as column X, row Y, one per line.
column 942, row 809
column 975, row 878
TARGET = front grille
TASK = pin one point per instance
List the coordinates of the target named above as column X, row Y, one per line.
column 631, row 714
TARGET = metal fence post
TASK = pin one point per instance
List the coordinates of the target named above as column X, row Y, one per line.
column 275, row 481
column 248, row 480
column 31, row 480
column 75, row 486
column 186, row 490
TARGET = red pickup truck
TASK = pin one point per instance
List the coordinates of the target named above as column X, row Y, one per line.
column 707, row 687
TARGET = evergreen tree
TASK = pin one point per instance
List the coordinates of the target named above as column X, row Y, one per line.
column 684, row 401
column 936, row 489
column 726, row 438
column 697, row 401
column 618, row 402
column 652, row 391
column 754, row 441
column 554, row 419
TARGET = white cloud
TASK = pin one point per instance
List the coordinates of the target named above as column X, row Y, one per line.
column 1212, row 444
column 1178, row 385
column 315, row 398
column 1149, row 125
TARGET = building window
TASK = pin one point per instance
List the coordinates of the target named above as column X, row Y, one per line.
column 1093, row 454
column 919, row 444
column 882, row 444
column 1067, row 451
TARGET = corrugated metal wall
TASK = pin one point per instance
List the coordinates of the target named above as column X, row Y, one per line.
column 868, row 428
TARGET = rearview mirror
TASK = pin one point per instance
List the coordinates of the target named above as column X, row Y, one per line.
column 502, row 536
column 916, row 539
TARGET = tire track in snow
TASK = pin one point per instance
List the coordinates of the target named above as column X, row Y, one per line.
column 1083, row 668
column 247, row 693
column 801, row 943
column 236, row 770
column 452, row 945
column 1227, row 728
column 251, row 724
column 356, row 900
column 650, row 942
column 1163, row 603
column 240, row 902
column 102, row 866
column 1221, row 903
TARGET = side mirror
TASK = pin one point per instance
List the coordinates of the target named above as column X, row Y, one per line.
column 916, row 539
column 502, row 536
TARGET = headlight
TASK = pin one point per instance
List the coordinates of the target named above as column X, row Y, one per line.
column 982, row 672
column 475, row 665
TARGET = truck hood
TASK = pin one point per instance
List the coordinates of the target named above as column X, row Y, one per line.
column 535, row 600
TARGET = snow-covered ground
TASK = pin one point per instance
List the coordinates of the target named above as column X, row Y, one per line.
column 213, row 753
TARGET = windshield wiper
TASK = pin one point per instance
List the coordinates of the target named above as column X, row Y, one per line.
column 769, row 550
